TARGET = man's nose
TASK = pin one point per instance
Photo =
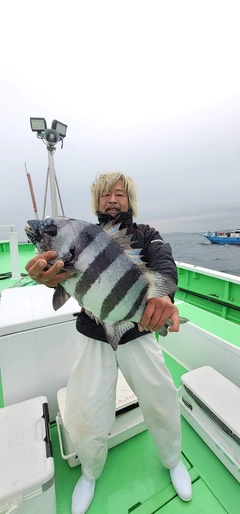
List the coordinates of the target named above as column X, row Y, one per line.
column 112, row 198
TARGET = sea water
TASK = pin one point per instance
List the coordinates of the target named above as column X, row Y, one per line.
column 197, row 250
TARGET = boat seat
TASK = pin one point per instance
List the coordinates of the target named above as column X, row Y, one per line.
column 194, row 346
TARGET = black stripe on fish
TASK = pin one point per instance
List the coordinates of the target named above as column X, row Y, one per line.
column 119, row 291
column 137, row 304
column 101, row 262
column 87, row 237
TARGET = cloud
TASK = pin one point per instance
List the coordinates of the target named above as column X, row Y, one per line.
column 148, row 89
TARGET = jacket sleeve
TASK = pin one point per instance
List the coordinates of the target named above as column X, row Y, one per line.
column 158, row 254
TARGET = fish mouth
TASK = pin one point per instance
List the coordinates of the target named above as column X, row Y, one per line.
column 32, row 232
column 28, row 229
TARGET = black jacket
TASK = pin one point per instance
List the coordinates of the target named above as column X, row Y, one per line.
column 158, row 257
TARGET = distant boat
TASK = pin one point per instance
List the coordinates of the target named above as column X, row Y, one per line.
column 228, row 237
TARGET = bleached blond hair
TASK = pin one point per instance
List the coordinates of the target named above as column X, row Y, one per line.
column 104, row 183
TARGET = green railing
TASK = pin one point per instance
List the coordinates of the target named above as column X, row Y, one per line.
column 215, row 292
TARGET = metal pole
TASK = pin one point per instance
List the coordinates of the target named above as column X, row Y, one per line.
column 52, row 185
column 59, row 196
column 13, row 243
column 45, row 194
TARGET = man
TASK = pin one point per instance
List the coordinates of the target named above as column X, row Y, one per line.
column 91, row 389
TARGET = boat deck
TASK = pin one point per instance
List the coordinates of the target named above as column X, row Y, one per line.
column 133, row 480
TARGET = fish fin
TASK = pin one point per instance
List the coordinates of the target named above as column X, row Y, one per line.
column 163, row 331
column 125, row 242
column 183, row 320
column 114, row 331
column 60, row 296
column 119, row 235
column 159, row 285
column 111, row 229
column 91, row 315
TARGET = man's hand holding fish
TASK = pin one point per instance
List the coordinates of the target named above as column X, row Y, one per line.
column 156, row 314
column 39, row 271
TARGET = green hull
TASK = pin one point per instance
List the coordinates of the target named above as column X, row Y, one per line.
column 215, row 292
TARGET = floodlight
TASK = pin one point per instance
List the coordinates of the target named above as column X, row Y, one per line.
column 38, row 124
column 60, row 127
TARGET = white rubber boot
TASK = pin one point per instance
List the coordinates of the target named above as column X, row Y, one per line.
column 181, row 481
column 82, row 496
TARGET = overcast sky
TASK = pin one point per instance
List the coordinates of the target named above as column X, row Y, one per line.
column 149, row 88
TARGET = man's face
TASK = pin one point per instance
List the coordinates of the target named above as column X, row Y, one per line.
column 114, row 201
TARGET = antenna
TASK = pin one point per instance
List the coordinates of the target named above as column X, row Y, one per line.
column 31, row 192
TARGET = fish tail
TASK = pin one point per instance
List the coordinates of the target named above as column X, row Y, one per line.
column 163, row 331
column 114, row 331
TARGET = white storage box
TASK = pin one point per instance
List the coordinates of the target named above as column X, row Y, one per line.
column 37, row 344
column 26, row 462
column 128, row 422
column 211, row 405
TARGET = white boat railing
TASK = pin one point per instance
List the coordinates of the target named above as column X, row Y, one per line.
column 14, row 257
column 192, row 268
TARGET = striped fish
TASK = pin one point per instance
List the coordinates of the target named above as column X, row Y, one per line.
column 109, row 279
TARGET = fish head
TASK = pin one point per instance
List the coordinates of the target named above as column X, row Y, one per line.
column 62, row 235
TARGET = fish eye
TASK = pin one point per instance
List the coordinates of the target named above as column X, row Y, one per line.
column 51, row 230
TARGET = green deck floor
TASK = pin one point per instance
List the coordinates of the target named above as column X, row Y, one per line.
column 133, row 480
